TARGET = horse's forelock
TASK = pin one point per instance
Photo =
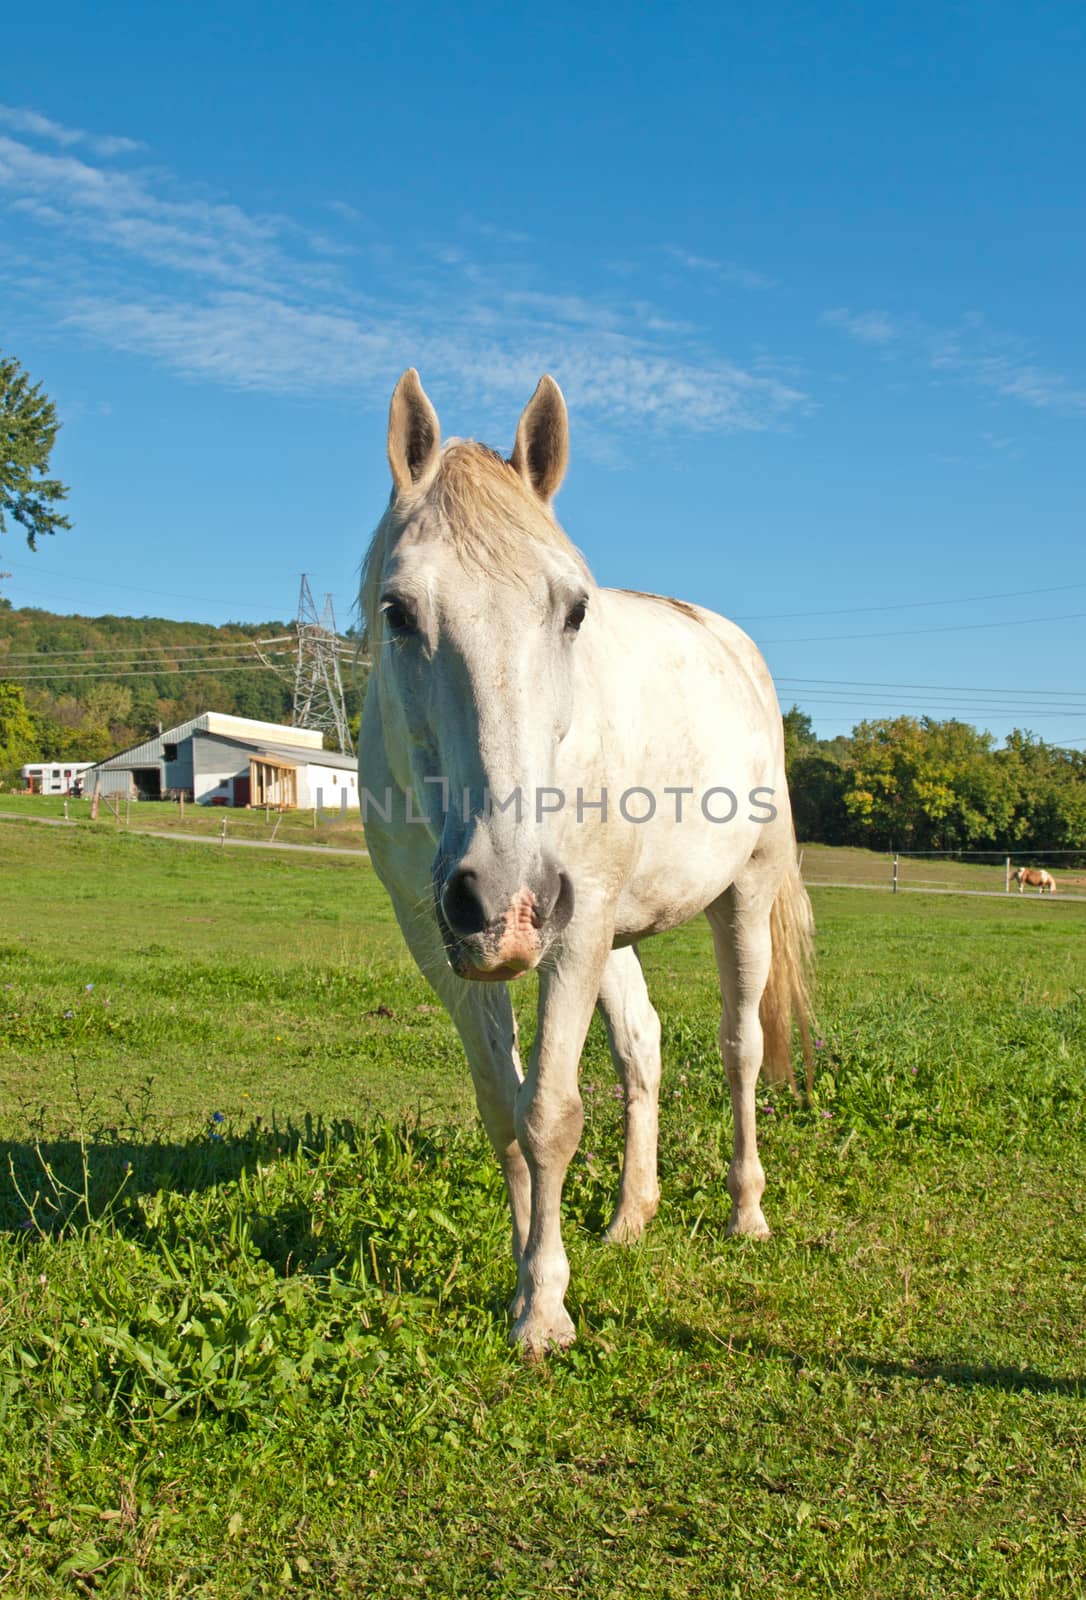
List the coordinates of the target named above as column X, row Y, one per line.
column 487, row 512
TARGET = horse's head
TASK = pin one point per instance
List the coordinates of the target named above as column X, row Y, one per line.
column 474, row 599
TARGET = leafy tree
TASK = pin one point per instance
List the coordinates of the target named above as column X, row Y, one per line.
column 799, row 735
column 926, row 785
column 18, row 736
column 28, row 431
column 817, row 783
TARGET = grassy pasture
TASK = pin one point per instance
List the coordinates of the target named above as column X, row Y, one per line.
column 253, row 1262
column 828, row 864
column 167, row 816
column 822, row 864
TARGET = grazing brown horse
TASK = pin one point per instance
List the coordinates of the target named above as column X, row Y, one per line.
column 1037, row 878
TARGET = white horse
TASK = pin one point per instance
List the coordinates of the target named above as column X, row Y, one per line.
column 550, row 772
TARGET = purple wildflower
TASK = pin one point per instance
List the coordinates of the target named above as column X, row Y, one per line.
column 217, row 1116
column 820, row 1044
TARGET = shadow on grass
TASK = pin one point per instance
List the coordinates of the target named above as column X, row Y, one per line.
column 933, row 1370
column 69, row 1177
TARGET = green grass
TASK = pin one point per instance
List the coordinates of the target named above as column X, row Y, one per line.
column 267, row 1354
column 848, row 864
column 167, row 816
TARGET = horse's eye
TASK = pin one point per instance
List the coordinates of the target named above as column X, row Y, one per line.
column 398, row 618
column 576, row 617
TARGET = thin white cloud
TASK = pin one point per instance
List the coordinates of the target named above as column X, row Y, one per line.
column 216, row 293
column 345, row 211
column 868, row 327
column 729, row 272
column 23, row 120
column 1004, row 370
column 973, row 354
column 260, row 342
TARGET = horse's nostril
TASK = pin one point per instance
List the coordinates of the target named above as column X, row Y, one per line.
column 555, row 906
column 546, row 896
column 554, row 899
column 462, row 903
column 563, row 906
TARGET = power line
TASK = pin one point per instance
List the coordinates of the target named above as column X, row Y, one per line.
column 104, row 669
column 960, row 688
column 136, row 649
column 902, row 633
column 159, row 672
column 73, row 669
column 946, row 707
column 905, row 605
column 940, row 697
column 130, row 588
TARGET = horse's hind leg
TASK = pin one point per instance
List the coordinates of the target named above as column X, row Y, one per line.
column 741, row 938
column 633, row 1032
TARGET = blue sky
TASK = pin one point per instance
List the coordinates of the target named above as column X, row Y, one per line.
column 809, row 276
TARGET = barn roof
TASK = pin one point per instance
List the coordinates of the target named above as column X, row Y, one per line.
column 298, row 755
column 217, row 724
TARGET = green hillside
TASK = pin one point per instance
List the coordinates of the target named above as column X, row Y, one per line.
column 83, row 687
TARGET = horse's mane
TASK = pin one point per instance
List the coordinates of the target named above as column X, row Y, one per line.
column 487, row 512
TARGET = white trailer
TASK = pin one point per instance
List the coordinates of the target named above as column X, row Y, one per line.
column 54, row 777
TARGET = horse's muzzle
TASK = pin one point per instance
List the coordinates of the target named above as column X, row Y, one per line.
column 491, row 948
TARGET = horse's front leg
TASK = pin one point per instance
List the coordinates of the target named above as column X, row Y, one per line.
column 549, row 1120
column 483, row 1014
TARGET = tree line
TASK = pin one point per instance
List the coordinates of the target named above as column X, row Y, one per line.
column 915, row 783
column 59, row 700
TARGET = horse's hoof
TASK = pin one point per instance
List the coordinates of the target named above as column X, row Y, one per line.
column 749, row 1224
column 537, row 1337
column 628, row 1225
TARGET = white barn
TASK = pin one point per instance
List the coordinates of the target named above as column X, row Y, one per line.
column 216, row 759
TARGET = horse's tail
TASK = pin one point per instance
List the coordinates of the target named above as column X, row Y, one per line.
column 787, row 994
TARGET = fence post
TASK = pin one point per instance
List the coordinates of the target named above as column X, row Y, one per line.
column 1007, row 881
column 895, row 873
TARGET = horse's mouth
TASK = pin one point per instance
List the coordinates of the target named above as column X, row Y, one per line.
column 484, row 957
column 476, row 963
column 504, row 974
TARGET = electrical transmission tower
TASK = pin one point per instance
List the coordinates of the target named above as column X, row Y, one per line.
column 318, row 687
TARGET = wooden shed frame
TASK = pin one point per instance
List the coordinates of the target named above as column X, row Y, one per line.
column 273, row 783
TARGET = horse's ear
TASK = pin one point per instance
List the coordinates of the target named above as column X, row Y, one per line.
column 542, row 445
column 414, row 437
